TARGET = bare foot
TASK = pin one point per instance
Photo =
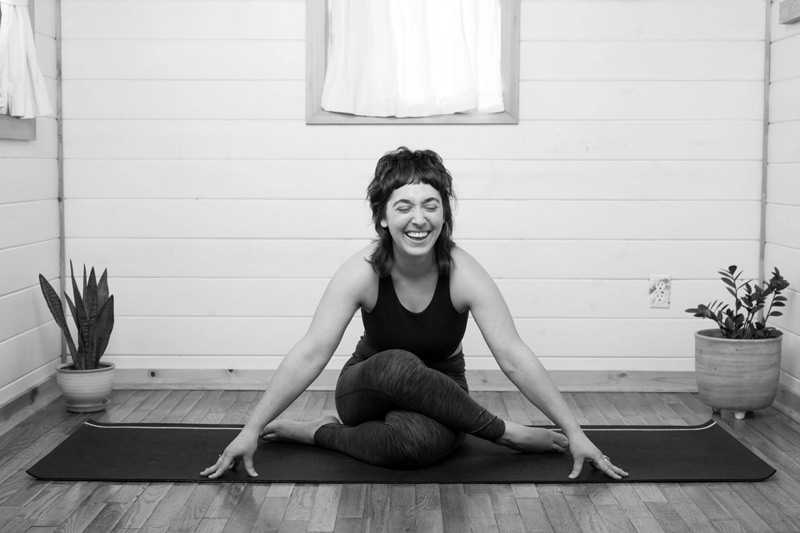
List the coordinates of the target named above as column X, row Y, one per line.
column 283, row 430
column 535, row 440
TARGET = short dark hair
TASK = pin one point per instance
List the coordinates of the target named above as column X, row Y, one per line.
column 394, row 170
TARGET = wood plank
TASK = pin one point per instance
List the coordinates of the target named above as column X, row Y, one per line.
column 218, row 219
column 260, row 343
column 347, row 179
column 640, row 100
column 782, row 104
column 559, row 513
column 248, row 508
column 28, row 222
column 284, row 100
column 270, row 517
column 780, row 221
column 26, row 353
column 202, row 407
column 17, row 264
column 193, row 511
column 781, row 147
column 23, row 310
column 640, row 60
column 783, row 59
column 325, row 508
column 89, row 512
column 656, row 20
column 376, row 508
column 225, row 501
column 502, row 258
column 560, row 140
column 167, row 19
column 183, row 59
column 45, row 146
column 29, row 180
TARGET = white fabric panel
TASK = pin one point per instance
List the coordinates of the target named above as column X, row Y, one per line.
column 22, row 89
column 413, row 58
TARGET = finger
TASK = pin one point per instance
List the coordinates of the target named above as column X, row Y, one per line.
column 610, row 470
column 576, row 469
column 212, row 468
column 234, row 464
column 618, row 470
column 223, row 464
column 248, row 465
column 559, row 448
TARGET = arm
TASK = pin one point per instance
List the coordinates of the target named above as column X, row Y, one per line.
column 304, row 362
column 517, row 361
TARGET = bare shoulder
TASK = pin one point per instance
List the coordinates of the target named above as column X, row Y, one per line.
column 357, row 278
column 468, row 280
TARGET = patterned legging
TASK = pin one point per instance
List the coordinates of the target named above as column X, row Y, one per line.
column 398, row 413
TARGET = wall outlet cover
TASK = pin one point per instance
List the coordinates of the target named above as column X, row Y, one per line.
column 660, row 291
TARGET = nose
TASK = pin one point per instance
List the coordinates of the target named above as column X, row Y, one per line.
column 419, row 217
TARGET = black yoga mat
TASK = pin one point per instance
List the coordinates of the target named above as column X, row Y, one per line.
column 168, row 452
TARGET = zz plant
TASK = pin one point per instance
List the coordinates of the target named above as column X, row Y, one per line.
column 93, row 313
column 752, row 306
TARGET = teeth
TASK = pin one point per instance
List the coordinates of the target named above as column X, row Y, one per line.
column 417, row 234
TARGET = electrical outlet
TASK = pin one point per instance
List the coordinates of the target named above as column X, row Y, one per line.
column 660, row 291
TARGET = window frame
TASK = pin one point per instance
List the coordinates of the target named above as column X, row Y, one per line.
column 316, row 63
column 14, row 128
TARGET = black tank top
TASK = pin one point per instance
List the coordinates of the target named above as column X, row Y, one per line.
column 433, row 334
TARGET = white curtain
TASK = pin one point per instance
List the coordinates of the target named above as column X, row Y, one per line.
column 22, row 90
column 413, row 58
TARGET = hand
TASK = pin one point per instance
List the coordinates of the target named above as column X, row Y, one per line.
column 243, row 446
column 583, row 451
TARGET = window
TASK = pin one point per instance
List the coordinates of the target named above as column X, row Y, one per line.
column 13, row 127
column 317, row 32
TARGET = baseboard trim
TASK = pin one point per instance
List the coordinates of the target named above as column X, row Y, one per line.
column 27, row 403
column 788, row 403
column 479, row 380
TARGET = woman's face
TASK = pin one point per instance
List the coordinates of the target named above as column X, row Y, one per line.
column 414, row 217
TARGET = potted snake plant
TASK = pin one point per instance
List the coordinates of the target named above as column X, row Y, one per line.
column 738, row 363
column 85, row 383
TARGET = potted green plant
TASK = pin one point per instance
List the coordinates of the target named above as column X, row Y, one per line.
column 738, row 364
column 85, row 383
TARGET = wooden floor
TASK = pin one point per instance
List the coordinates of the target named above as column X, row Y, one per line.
column 36, row 506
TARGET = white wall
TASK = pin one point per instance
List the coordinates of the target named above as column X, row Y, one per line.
column 191, row 175
column 29, row 233
column 783, row 185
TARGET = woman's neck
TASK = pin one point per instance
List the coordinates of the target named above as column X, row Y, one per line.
column 414, row 267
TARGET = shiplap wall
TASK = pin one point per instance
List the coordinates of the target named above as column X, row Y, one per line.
column 783, row 184
column 29, row 236
column 220, row 214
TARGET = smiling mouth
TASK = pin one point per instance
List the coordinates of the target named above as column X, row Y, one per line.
column 417, row 235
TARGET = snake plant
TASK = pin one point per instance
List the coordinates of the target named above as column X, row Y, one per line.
column 93, row 313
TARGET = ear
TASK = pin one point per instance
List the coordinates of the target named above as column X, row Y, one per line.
column 384, row 223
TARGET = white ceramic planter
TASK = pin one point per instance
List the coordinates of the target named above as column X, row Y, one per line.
column 85, row 391
column 734, row 374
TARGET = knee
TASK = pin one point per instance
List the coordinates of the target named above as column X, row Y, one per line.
column 401, row 363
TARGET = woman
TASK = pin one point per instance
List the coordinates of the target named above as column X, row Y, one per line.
column 403, row 396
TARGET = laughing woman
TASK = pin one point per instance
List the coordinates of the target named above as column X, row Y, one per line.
column 402, row 396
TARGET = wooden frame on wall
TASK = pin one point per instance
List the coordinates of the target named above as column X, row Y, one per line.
column 19, row 129
column 316, row 58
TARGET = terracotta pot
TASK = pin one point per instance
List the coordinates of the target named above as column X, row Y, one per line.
column 85, row 391
column 735, row 374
